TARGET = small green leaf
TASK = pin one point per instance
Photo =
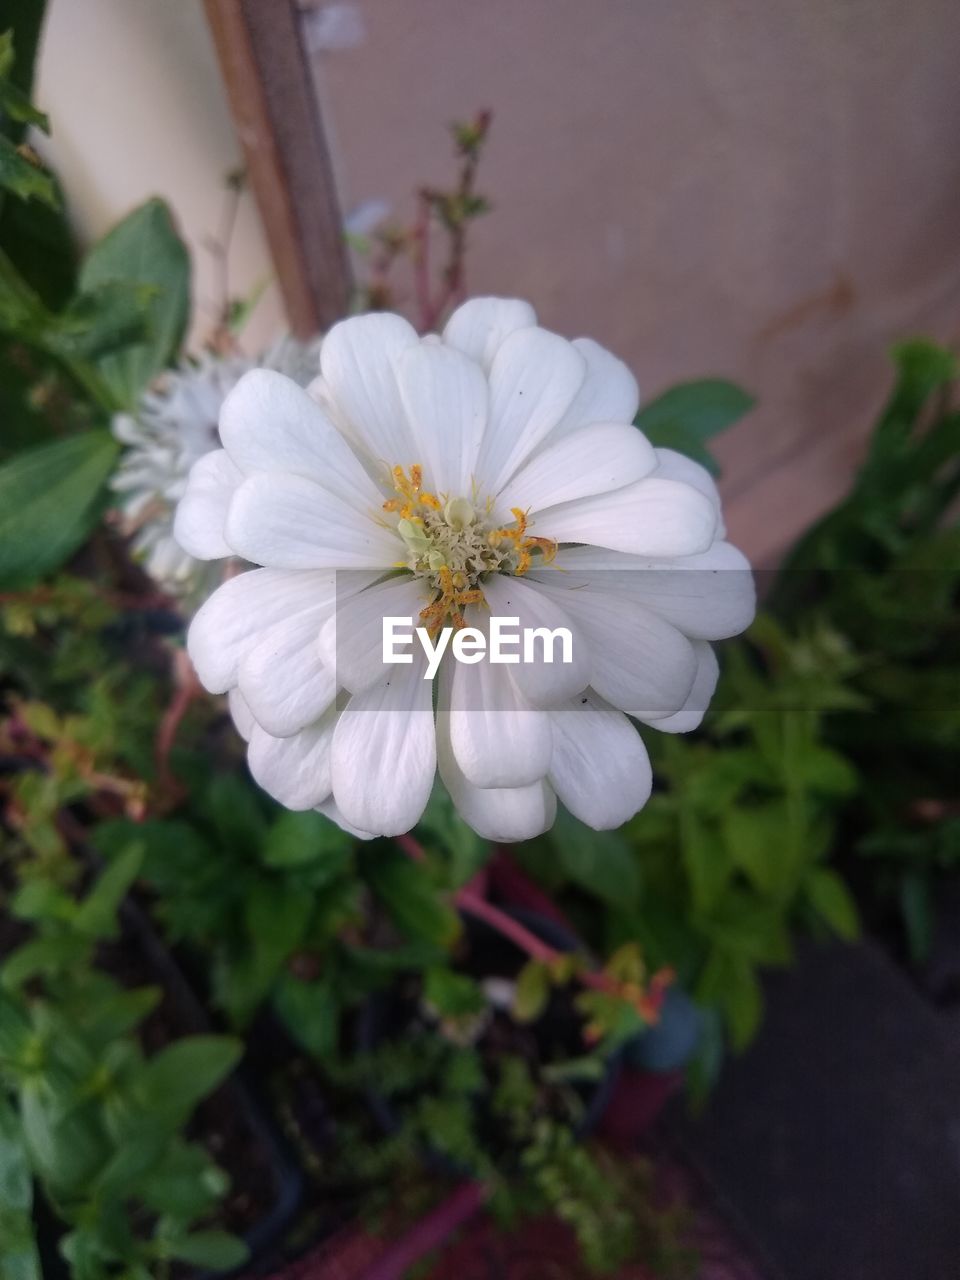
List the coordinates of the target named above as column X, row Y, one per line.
column 48, row 504
column 452, row 995
column 215, row 1249
column 23, row 177
column 143, row 249
column 311, row 1013
column 532, row 993
column 406, row 890
column 183, row 1073
column 96, row 916
column 831, row 900
column 686, row 416
column 302, row 839
column 601, row 862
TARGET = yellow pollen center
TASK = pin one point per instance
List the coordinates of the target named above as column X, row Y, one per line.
column 452, row 547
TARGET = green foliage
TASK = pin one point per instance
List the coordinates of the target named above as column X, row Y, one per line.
column 85, row 1113
column 49, row 503
column 688, row 415
column 143, row 251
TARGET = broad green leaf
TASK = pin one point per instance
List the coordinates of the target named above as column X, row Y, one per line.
column 215, row 1249
column 66, row 1150
column 96, row 916
column 301, row 839
column 405, row 889
column 16, row 1183
column 705, row 859
column 182, row 1074
column 144, row 249
column 601, row 862
column 831, row 900
column 49, row 503
column 24, row 177
column 687, row 415
column 311, row 1013
column 185, row 1184
column 753, row 836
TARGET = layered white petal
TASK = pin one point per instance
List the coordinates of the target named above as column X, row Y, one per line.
column 640, row 663
column 497, row 813
column 498, row 739
column 284, row 682
column 590, row 461
column 652, row 517
column 385, row 753
column 202, row 511
column 479, row 327
column 710, row 596
column 446, row 400
column 609, row 392
column 351, row 641
column 294, row 770
column 289, row 522
column 268, row 423
column 358, row 363
column 600, row 768
column 672, row 465
column 330, row 810
column 240, row 714
column 534, row 377
column 242, row 611
column 541, row 683
column 694, row 709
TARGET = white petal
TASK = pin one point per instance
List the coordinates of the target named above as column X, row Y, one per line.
column 445, row 398
column 330, row 810
column 288, row 522
column 202, row 511
column 640, row 663
column 479, row 327
column 600, row 768
column 358, row 363
column 593, row 460
column 710, row 596
column 241, row 611
column 268, row 423
column 498, row 813
column 385, row 753
column 609, row 392
column 694, row 709
column 672, row 465
column 497, row 738
column 543, row 684
column 282, row 678
column 534, row 377
column 652, row 517
column 351, row 641
column 294, row 770
column 240, row 714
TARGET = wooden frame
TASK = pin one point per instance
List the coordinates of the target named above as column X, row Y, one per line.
column 275, row 108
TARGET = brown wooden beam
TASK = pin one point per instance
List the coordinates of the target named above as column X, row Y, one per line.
column 278, row 121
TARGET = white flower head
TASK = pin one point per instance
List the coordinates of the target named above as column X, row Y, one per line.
column 176, row 424
column 492, row 472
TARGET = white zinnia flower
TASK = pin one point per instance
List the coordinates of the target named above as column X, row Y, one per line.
column 174, row 425
column 495, row 471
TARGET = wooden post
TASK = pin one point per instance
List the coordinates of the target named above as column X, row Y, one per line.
column 277, row 115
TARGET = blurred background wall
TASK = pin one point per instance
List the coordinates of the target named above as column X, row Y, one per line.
column 768, row 192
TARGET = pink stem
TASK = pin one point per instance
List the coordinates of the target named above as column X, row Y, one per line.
column 429, row 1233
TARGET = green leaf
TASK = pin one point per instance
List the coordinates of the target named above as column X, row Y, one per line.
column 599, row 861
column 729, row 983
column 705, row 860
column 16, row 106
column 452, row 995
column 687, row 415
column 48, row 504
column 96, row 916
column 16, row 1183
column 144, row 249
column 406, row 890
column 532, row 993
column 311, row 1013
column 111, row 318
column 176, row 1079
column 185, row 1184
column 215, row 1249
column 21, row 175
column 307, row 839
column 830, row 898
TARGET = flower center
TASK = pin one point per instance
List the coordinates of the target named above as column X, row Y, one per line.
column 451, row 545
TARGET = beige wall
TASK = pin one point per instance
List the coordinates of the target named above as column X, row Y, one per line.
column 767, row 189
column 138, row 109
